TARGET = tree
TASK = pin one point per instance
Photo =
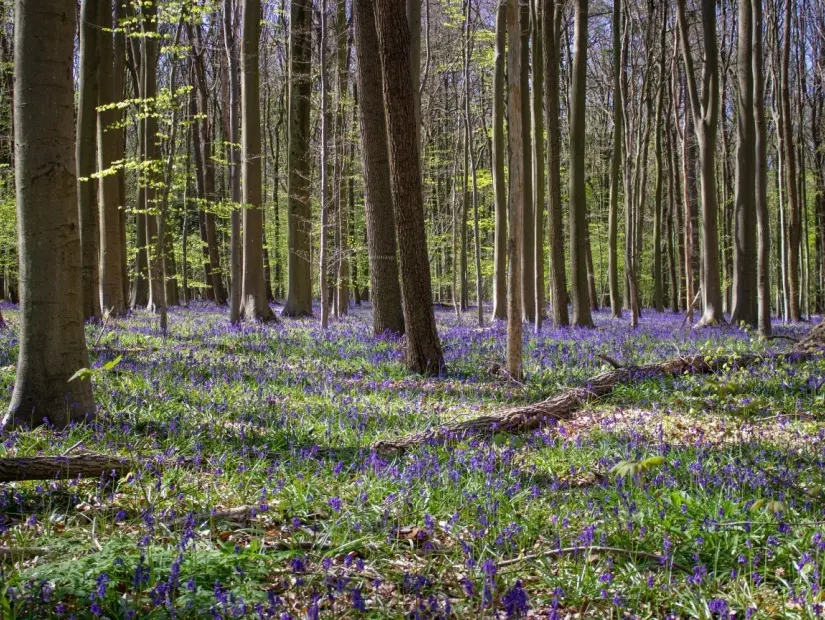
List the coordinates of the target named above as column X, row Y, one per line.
column 705, row 110
column 745, row 302
column 537, row 110
column 528, row 231
column 516, row 197
column 253, row 294
column 86, row 162
column 323, row 249
column 558, row 276
column 423, row 346
column 108, row 136
column 385, row 289
column 499, row 184
column 578, row 197
column 235, row 249
column 763, row 278
column 615, row 164
column 299, row 295
column 52, row 339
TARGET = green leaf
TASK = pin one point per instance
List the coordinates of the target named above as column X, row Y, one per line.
column 83, row 373
column 110, row 365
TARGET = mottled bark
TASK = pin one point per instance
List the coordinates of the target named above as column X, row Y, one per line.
column 498, row 161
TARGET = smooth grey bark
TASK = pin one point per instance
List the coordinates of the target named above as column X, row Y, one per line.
column 323, row 260
column 385, row 289
column 235, row 249
column 88, row 90
column 578, row 197
column 498, row 159
column 108, row 137
column 763, row 278
column 299, row 285
column 615, row 164
column 744, row 291
column 539, row 186
column 516, row 195
column 254, row 306
column 528, row 255
column 52, row 339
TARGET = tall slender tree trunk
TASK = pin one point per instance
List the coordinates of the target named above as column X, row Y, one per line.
column 323, row 249
column 52, row 339
column 528, row 255
column 517, row 170
column 498, row 159
column 794, row 208
column 658, row 271
column 578, row 196
column 385, row 289
column 108, row 136
column 88, row 91
column 538, row 160
column 423, row 351
column 763, row 277
column 558, row 279
column 299, row 294
column 254, row 306
column 615, row 165
column 745, row 299
column 235, row 250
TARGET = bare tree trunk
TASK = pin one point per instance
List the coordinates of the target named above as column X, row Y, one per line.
column 706, row 116
column 528, row 255
column 517, row 170
column 323, row 259
column 385, row 289
column 794, row 208
column 423, row 346
column 499, row 185
column 88, row 90
column 254, row 306
column 108, row 136
column 235, row 251
column 658, row 273
column 52, row 340
column 745, row 300
column 558, row 279
column 538, row 160
column 761, row 177
column 615, row 164
column 468, row 125
column 578, row 196
column 299, row 294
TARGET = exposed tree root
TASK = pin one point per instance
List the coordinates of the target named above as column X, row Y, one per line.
column 564, row 405
column 51, row 467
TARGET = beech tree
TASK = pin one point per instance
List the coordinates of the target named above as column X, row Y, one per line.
column 52, row 339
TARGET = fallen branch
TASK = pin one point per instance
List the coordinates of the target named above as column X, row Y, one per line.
column 593, row 549
column 52, row 467
column 564, row 405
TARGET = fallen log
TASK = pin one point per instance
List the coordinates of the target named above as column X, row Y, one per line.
column 53, row 467
column 564, row 405
column 13, row 554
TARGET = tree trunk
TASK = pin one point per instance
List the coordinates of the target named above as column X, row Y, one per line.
column 745, row 300
column 323, row 259
column 528, row 254
column 706, row 116
column 342, row 227
column 299, row 295
column 763, row 278
column 254, row 306
column 52, row 340
column 578, row 196
column 235, row 250
column 108, row 136
column 385, row 289
column 538, row 161
column 658, row 272
column 517, row 171
column 558, row 278
column 498, row 158
column 615, row 165
column 423, row 346
column 88, row 90
column 794, row 209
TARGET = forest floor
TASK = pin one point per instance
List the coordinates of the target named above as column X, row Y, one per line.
column 715, row 507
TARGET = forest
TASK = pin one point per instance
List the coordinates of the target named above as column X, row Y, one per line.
column 412, row 309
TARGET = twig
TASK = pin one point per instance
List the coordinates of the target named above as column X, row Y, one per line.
column 103, row 328
column 610, row 360
column 780, row 337
column 593, row 549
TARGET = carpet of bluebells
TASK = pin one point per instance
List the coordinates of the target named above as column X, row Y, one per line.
column 708, row 491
